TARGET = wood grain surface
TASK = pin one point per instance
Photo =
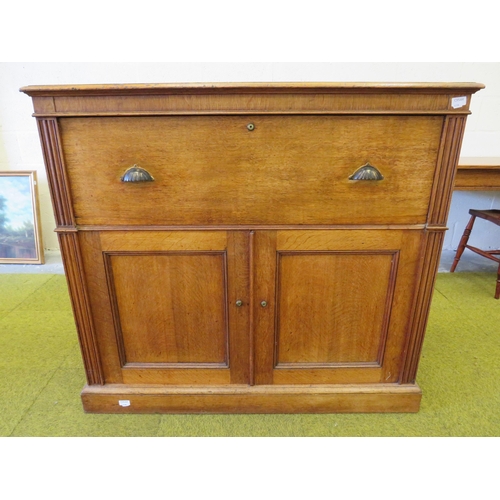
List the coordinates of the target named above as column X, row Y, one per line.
column 288, row 170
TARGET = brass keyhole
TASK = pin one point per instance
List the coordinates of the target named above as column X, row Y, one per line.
column 239, row 303
column 263, row 303
column 250, row 126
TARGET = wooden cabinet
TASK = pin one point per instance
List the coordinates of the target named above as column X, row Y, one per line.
column 274, row 249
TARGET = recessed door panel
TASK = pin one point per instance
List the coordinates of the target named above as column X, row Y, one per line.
column 333, row 307
column 170, row 307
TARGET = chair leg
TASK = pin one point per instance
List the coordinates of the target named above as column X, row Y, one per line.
column 497, row 291
column 463, row 242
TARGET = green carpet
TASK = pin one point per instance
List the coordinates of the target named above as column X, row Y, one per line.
column 41, row 374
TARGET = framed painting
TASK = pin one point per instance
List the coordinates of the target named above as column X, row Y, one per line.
column 20, row 235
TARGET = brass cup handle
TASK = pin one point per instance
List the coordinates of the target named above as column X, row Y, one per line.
column 366, row 173
column 137, row 174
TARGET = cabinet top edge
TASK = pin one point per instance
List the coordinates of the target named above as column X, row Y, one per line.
column 254, row 87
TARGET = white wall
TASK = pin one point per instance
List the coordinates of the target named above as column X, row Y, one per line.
column 20, row 148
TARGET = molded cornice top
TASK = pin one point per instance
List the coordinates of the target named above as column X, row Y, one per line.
column 255, row 87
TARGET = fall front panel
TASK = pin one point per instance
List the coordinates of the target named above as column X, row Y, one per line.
column 253, row 169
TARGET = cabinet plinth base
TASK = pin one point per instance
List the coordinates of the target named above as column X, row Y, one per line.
column 245, row 399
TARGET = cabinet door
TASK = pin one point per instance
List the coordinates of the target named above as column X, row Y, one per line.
column 333, row 306
column 164, row 305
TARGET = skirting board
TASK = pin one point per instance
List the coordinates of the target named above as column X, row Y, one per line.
column 388, row 398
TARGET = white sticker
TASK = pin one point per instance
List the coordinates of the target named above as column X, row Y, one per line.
column 458, row 102
column 124, row 402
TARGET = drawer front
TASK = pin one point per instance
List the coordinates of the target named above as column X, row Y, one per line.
column 251, row 169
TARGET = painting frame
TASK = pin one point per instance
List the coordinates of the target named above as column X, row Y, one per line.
column 20, row 230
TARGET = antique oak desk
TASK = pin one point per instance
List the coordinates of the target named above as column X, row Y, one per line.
column 251, row 247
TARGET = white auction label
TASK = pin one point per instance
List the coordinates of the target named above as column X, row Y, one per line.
column 458, row 102
column 124, row 402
